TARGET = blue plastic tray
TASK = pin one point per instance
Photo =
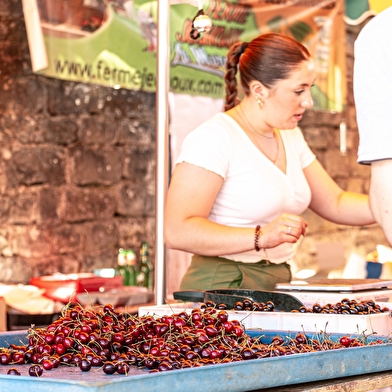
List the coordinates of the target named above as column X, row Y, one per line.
column 237, row 376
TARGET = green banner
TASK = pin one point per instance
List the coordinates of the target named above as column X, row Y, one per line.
column 114, row 43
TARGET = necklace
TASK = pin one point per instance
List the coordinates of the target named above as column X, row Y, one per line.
column 242, row 115
column 250, row 125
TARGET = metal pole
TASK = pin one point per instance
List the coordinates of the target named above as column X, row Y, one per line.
column 162, row 142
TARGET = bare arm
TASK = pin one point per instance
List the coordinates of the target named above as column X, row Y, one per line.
column 381, row 195
column 190, row 198
column 333, row 203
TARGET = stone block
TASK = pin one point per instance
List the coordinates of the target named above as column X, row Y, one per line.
column 320, row 117
column 16, row 93
column 135, row 200
column 131, row 131
column 131, row 104
column 22, row 208
column 68, row 238
column 132, row 232
column 336, row 164
column 64, row 264
column 11, row 8
column 57, row 130
column 317, row 137
column 107, row 259
column 101, row 238
column 32, row 166
column 139, row 164
column 5, row 206
column 14, row 270
column 31, row 242
column 23, row 129
column 96, row 166
column 47, row 206
column 80, row 205
column 98, row 130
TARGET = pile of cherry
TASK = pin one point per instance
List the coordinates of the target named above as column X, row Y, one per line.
column 345, row 306
column 116, row 341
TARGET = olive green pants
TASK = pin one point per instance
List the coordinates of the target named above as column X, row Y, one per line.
column 209, row 273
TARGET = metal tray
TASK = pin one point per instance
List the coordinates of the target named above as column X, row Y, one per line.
column 229, row 297
column 341, row 285
column 237, row 376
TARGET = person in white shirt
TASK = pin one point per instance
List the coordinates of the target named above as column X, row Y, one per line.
column 373, row 97
column 244, row 177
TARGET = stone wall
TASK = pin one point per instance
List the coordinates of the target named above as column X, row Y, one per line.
column 77, row 167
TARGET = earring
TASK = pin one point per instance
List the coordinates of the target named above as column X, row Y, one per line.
column 259, row 102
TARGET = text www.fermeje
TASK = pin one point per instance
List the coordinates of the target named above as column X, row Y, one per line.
column 140, row 80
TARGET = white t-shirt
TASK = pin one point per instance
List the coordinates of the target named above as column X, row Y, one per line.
column 254, row 191
column 373, row 88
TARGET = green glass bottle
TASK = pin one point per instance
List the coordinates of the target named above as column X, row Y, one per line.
column 121, row 264
column 131, row 268
column 146, row 269
column 126, row 266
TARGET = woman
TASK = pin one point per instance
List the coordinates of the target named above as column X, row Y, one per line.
column 244, row 177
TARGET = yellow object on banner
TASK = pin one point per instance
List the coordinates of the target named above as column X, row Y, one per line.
column 379, row 5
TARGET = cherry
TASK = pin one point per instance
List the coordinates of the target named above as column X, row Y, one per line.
column 109, row 368
column 238, row 331
column 49, row 338
column 247, row 353
column 228, row 326
column 165, row 366
column 179, row 323
column 211, row 331
column 97, row 361
column 118, row 337
column 151, row 362
column 35, row 370
column 55, row 361
column 66, row 359
column 59, row 338
column 13, row 372
column 223, row 316
column 18, row 358
column 215, row 354
column 85, row 365
column 122, row 368
column 68, row 342
column 60, row 349
column 47, row 364
column 345, row 341
column 104, row 342
column 5, row 358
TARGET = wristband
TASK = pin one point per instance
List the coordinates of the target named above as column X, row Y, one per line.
column 258, row 233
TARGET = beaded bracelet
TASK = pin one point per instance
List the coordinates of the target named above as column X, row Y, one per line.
column 258, row 233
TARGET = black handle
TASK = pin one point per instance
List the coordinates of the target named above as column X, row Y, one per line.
column 189, row 295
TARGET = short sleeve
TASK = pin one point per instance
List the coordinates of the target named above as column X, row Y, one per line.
column 208, row 146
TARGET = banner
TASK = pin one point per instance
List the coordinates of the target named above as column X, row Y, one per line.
column 114, row 43
column 359, row 10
